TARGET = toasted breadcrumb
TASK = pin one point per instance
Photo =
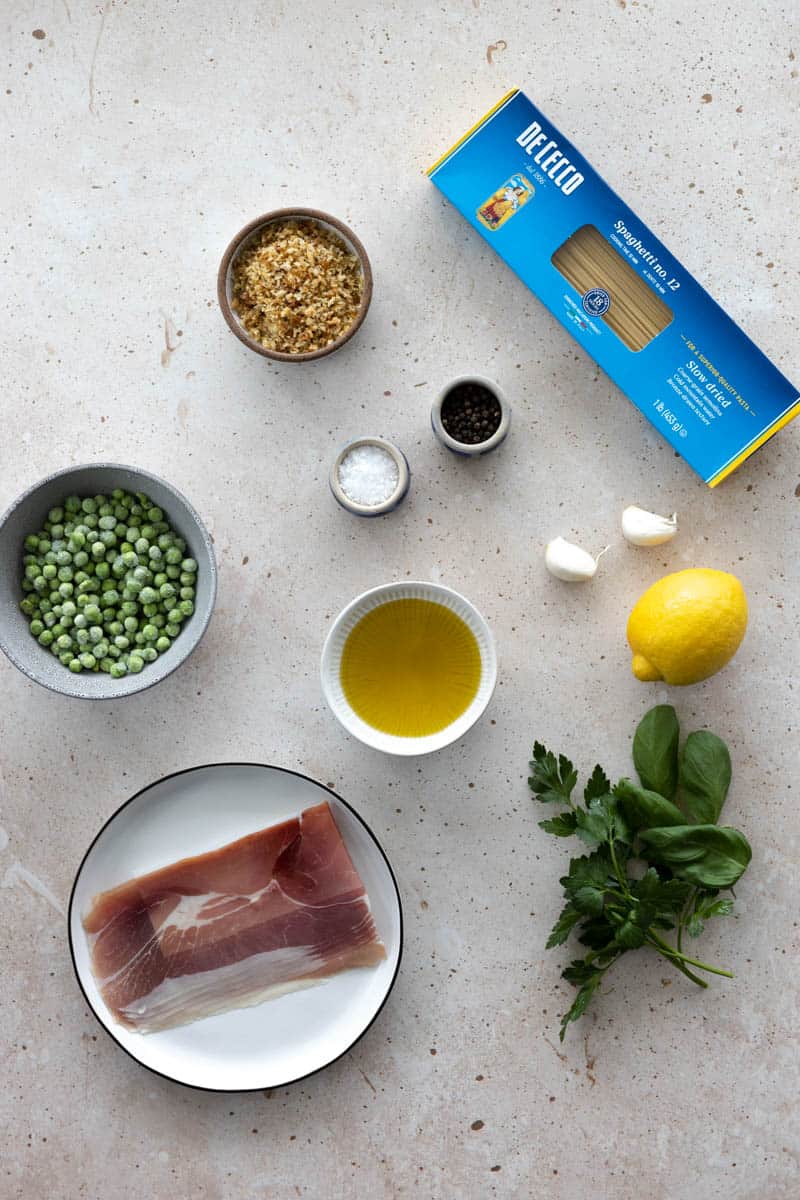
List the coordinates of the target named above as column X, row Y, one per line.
column 296, row 287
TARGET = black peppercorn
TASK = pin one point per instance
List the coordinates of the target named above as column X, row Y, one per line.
column 470, row 413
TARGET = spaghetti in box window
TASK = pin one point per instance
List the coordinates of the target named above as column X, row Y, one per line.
column 680, row 358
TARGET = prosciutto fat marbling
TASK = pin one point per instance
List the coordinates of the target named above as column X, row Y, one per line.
column 275, row 911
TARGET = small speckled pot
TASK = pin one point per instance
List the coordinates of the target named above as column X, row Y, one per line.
column 27, row 514
column 397, row 496
column 246, row 235
column 499, row 435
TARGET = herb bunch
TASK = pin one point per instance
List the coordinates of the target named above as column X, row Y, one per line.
column 658, row 859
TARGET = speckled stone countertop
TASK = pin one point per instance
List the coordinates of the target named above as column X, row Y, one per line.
column 142, row 136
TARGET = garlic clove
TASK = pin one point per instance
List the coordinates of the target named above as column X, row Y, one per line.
column 644, row 528
column 569, row 562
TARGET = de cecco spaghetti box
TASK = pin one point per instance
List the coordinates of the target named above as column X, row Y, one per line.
column 683, row 362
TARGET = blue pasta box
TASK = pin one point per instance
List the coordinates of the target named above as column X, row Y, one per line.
column 685, row 364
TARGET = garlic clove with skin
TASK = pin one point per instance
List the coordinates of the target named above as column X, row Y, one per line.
column 644, row 528
column 569, row 562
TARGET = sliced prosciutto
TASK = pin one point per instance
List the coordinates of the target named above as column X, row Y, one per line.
column 278, row 910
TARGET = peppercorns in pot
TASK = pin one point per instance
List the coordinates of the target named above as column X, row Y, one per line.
column 470, row 413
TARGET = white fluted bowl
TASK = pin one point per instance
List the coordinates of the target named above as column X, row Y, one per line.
column 346, row 621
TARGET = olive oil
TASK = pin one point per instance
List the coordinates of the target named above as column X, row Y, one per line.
column 410, row 667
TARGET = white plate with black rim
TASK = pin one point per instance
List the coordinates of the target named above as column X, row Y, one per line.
column 280, row 1040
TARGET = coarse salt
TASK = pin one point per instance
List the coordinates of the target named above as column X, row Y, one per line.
column 368, row 475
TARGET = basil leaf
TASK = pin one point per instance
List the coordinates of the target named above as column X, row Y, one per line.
column 705, row 776
column 655, row 750
column 713, row 856
column 643, row 809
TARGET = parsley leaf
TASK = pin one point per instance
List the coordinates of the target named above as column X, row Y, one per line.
column 561, row 930
column 551, row 778
column 562, row 826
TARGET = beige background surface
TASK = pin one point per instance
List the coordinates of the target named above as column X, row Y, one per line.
column 142, row 135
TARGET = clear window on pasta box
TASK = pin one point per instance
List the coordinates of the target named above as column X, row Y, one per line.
column 611, row 289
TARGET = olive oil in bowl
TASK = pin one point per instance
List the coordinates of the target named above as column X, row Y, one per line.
column 410, row 667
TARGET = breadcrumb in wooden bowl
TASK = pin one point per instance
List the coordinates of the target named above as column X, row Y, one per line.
column 295, row 284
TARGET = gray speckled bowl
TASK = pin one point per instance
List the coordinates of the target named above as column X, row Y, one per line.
column 27, row 514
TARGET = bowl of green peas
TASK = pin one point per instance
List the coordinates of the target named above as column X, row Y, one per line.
column 107, row 581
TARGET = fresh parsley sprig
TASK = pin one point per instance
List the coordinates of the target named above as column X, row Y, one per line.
column 658, row 858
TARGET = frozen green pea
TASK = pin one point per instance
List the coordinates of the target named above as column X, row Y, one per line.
column 173, row 573
column 107, row 520
column 175, row 616
column 57, row 533
column 186, row 593
column 149, row 632
column 148, row 595
column 148, row 532
column 50, row 619
column 45, row 545
column 163, row 643
column 133, row 533
column 138, row 639
column 117, row 670
column 31, row 542
column 89, row 505
column 65, row 657
column 135, row 663
column 172, row 629
column 115, row 628
column 63, row 558
column 45, row 638
column 32, row 571
column 88, row 660
column 130, row 624
column 95, row 633
column 134, row 586
column 36, row 627
column 80, row 560
column 148, row 653
column 64, row 642
column 108, row 539
column 121, row 642
column 159, row 579
column 114, row 651
column 105, row 665
column 80, row 620
column 92, row 613
column 119, row 495
column 75, row 666
column 173, row 556
column 57, row 629
column 131, row 559
column 150, row 610
column 77, row 540
column 98, row 550
column 155, row 555
column 65, row 590
column 118, row 567
column 100, row 649
column 50, row 570
column 65, row 574
column 129, row 608
column 111, row 597
column 55, row 515
column 28, row 607
column 82, row 637
column 85, row 589
column 167, row 591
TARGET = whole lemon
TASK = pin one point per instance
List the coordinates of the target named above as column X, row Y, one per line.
column 687, row 626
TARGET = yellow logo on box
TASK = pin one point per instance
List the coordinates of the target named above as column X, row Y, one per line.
column 501, row 206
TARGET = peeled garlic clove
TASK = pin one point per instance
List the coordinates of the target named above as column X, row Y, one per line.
column 648, row 529
column 569, row 562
